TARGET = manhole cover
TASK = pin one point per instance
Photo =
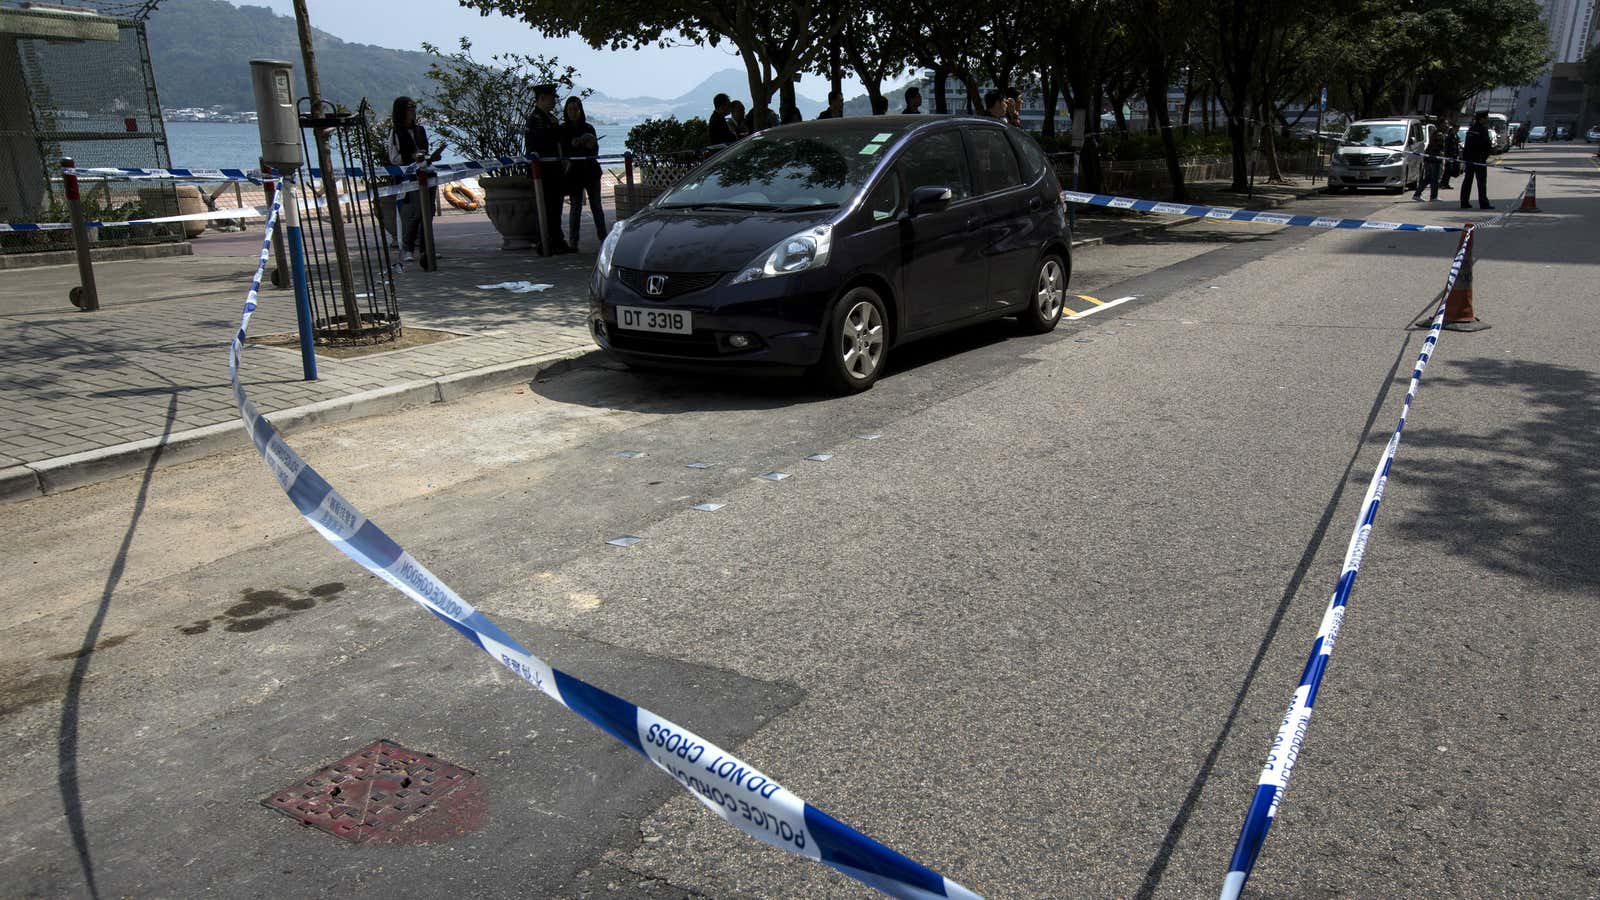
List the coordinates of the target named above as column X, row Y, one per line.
column 369, row 791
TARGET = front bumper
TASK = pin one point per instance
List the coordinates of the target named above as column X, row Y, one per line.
column 782, row 317
column 1392, row 175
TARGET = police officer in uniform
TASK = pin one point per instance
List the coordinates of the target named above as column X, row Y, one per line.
column 542, row 138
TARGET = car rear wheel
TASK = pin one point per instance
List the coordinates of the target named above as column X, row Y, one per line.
column 857, row 342
column 1045, row 299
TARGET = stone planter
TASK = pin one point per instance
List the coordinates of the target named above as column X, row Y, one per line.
column 509, row 201
column 633, row 197
column 178, row 200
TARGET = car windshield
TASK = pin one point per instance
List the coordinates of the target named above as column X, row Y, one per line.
column 1376, row 135
column 800, row 168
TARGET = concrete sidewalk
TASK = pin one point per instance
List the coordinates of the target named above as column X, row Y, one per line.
column 89, row 396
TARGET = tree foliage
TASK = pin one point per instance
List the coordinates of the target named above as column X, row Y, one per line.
column 480, row 108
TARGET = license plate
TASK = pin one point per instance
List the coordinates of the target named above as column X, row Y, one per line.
column 668, row 321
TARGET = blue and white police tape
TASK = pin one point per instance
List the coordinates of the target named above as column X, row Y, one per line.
column 248, row 212
column 133, row 173
column 461, row 168
column 733, row 789
column 1292, row 732
column 1232, row 214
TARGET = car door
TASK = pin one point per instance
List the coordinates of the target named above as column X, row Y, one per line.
column 943, row 273
column 1006, row 223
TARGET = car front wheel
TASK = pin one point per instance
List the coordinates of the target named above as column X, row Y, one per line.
column 857, row 342
column 1046, row 297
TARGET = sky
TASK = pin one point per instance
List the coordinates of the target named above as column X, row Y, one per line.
column 405, row 24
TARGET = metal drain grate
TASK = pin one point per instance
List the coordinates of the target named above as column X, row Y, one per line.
column 369, row 791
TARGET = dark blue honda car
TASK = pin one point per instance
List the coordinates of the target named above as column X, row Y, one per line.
column 819, row 247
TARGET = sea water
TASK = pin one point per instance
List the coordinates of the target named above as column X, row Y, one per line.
column 229, row 145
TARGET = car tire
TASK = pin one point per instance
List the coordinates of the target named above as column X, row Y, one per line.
column 1046, row 296
column 855, row 346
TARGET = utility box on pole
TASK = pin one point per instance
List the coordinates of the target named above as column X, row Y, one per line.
column 278, row 122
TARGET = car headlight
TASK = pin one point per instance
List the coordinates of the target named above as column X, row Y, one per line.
column 1393, row 158
column 796, row 253
column 602, row 260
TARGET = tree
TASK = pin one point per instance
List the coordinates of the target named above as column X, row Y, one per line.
column 480, row 109
column 775, row 41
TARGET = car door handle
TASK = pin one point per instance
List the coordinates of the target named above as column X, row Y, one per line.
column 972, row 223
column 1034, row 203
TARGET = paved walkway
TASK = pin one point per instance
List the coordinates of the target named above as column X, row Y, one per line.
column 87, row 395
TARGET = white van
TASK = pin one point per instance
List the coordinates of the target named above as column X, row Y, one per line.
column 1502, row 132
column 1379, row 153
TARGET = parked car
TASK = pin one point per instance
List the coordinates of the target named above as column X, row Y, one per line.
column 824, row 245
column 1592, row 136
column 1381, row 153
column 1539, row 134
column 1563, row 133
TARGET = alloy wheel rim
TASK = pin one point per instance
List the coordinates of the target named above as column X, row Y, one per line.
column 1051, row 291
column 861, row 340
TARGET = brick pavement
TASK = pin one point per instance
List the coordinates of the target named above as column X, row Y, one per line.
column 72, row 382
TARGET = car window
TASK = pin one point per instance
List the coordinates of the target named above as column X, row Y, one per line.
column 787, row 168
column 883, row 203
column 1034, row 162
column 938, row 160
column 1376, row 135
column 995, row 161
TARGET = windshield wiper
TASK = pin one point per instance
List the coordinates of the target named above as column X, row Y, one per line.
column 751, row 207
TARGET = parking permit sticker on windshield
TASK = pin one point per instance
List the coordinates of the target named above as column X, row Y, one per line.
column 880, row 137
column 870, row 149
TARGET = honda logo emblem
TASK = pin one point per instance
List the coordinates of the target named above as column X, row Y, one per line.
column 655, row 285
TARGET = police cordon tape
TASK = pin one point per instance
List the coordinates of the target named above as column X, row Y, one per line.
column 1285, row 749
column 736, row 791
column 1233, row 214
column 1291, row 734
column 247, row 212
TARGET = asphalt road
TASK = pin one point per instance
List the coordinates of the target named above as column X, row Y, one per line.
column 1037, row 634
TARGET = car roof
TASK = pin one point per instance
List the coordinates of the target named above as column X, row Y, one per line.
column 900, row 125
column 1398, row 120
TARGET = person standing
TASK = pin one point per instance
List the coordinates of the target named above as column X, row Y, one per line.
column 994, row 105
column 835, row 108
column 1452, row 153
column 408, row 146
column 1431, row 166
column 542, row 138
column 738, row 120
column 581, row 146
column 718, row 134
column 913, row 102
column 1475, row 157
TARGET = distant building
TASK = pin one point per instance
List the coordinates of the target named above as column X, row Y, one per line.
column 1556, row 97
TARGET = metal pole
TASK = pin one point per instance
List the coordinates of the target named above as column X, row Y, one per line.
column 425, row 198
column 280, row 273
column 627, row 167
column 538, row 202
column 302, row 291
column 330, row 181
column 84, row 296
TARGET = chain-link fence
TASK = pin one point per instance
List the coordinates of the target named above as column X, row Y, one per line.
column 79, row 85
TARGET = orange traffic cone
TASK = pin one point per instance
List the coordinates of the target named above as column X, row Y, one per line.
column 1530, row 203
column 1458, row 314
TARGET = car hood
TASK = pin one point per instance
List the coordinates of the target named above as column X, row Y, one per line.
column 674, row 240
column 1364, row 150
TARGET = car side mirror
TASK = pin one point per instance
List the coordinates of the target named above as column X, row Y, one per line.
column 930, row 199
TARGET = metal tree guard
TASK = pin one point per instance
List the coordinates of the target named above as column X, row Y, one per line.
column 367, row 311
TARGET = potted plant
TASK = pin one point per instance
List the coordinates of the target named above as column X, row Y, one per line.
column 664, row 150
column 480, row 111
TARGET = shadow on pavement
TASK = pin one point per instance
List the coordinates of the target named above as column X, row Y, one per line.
column 1169, row 843
column 67, row 740
column 607, row 383
column 1523, row 499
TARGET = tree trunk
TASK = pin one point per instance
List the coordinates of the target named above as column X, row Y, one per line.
column 1116, row 113
column 758, row 76
column 835, row 70
column 330, row 180
column 1052, row 90
column 1269, row 149
column 786, row 95
column 1157, row 80
column 941, row 102
column 1238, row 109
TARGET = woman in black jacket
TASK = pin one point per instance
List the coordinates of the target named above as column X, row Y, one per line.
column 580, row 146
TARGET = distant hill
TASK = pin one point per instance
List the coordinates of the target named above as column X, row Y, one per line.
column 694, row 102
column 201, row 52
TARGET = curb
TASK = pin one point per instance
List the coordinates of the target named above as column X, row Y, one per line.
column 1096, row 241
column 63, row 473
column 25, row 260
